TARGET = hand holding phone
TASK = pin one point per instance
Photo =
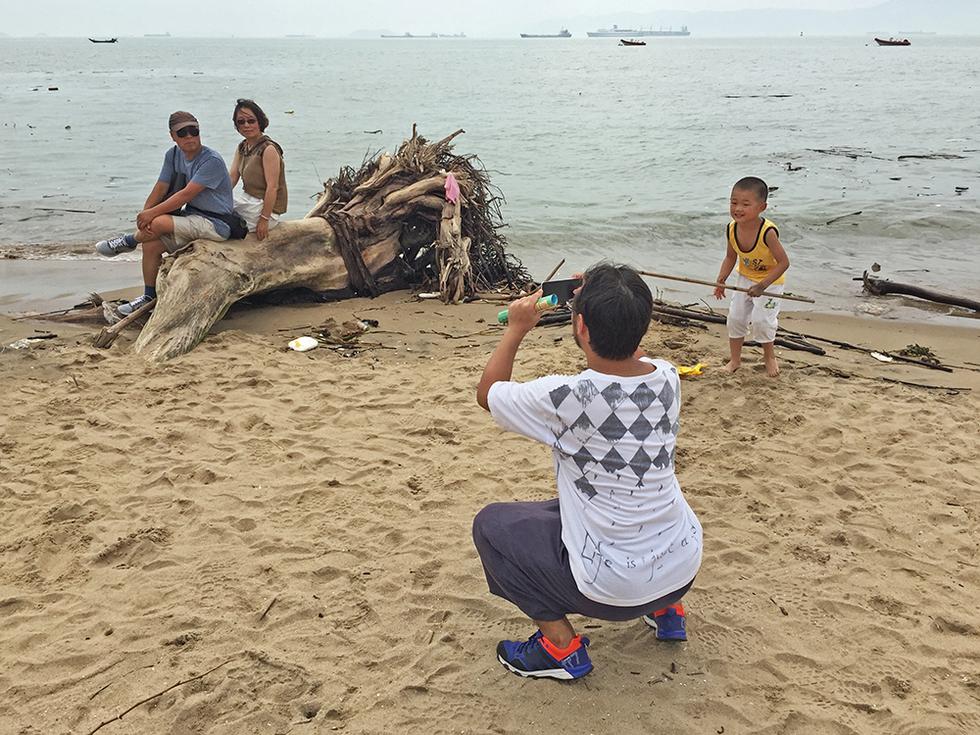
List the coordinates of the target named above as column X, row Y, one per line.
column 564, row 289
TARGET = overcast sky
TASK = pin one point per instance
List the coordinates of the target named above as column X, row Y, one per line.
column 276, row 17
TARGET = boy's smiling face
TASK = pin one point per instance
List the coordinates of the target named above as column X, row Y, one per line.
column 745, row 206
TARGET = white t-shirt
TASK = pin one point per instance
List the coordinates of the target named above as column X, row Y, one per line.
column 630, row 534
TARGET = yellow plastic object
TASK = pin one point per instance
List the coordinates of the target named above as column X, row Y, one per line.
column 690, row 371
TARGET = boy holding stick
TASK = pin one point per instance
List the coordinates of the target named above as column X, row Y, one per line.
column 753, row 243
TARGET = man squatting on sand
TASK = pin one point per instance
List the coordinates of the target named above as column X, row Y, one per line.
column 193, row 176
column 753, row 243
column 620, row 541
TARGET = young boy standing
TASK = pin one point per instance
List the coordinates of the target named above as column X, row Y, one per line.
column 753, row 243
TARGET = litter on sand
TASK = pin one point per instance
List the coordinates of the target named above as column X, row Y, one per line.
column 691, row 371
column 303, row 344
column 882, row 358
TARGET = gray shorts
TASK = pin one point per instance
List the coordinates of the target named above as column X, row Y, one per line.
column 188, row 229
column 526, row 563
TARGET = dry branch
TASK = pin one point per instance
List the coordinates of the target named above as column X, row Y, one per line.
column 881, row 287
column 160, row 694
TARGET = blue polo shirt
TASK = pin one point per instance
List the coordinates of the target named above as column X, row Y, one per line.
column 208, row 169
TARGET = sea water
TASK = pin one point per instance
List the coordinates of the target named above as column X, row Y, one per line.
column 601, row 151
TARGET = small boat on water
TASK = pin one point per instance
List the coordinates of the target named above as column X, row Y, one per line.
column 563, row 33
column 631, row 42
column 892, row 42
column 103, row 40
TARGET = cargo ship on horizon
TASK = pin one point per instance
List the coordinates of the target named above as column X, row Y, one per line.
column 617, row 32
column 429, row 35
column 561, row 34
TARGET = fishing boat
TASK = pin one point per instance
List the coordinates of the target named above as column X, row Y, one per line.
column 103, row 40
column 616, row 31
column 561, row 34
column 892, row 42
column 631, row 42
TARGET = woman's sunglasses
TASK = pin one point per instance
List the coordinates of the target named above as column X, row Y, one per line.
column 245, row 121
column 189, row 130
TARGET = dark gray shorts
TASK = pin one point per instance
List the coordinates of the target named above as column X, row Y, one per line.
column 526, row 563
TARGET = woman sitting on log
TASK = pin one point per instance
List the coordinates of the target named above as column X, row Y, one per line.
column 258, row 163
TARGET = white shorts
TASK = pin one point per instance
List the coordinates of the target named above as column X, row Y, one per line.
column 760, row 312
column 188, row 229
column 249, row 208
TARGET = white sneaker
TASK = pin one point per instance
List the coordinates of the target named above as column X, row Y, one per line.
column 113, row 246
column 129, row 308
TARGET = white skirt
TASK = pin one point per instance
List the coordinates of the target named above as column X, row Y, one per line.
column 250, row 208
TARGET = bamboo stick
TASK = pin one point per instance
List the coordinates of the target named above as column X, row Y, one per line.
column 790, row 297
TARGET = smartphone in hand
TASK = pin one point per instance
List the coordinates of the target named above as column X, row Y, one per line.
column 564, row 289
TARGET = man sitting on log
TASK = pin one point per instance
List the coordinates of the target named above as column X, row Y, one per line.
column 193, row 176
column 620, row 541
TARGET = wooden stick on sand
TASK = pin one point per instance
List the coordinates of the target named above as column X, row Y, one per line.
column 733, row 288
column 107, row 336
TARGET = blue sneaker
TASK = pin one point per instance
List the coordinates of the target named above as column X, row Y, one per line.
column 540, row 658
column 670, row 622
column 131, row 306
column 113, row 246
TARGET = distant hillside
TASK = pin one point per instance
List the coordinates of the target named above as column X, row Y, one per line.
column 961, row 17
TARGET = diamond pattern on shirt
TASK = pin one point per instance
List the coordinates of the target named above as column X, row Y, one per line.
column 640, row 464
column 582, row 424
column 586, row 488
column 614, row 395
column 613, row 461
column 559, row 394
column 641, row 428
column 583, row 457
column 612, row 429
column 599, row 425
column 585, row 391
column 663, row 459
column 643, row 396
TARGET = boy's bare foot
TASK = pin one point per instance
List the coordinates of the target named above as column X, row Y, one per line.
column 772, row 367
column 734, row 365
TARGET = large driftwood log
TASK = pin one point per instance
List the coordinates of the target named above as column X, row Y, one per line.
column 200, row 285
column 373, row 230
column 881, row 287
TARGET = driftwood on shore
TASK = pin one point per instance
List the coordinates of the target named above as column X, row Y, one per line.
column 385, row 226
column 882, row 287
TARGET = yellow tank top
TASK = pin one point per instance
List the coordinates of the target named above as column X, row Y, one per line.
column 757, row 262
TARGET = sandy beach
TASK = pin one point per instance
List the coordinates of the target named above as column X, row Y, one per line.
column 289, row 535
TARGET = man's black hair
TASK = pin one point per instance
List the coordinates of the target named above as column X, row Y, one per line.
column 616, row 305
column 255, row 109
column 754, row 184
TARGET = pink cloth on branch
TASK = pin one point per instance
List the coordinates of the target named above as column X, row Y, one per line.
column 452, row 188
